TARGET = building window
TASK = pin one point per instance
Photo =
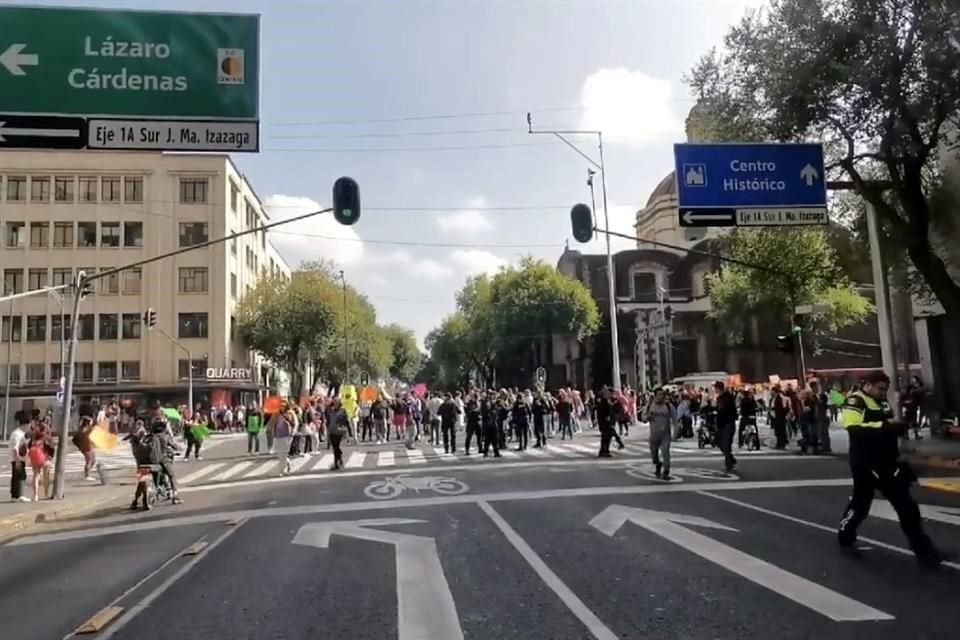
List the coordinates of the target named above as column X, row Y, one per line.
column 34, row 373
column 234, row 196
column 193, row 190
column 109, row 284
column 251, row 215
column 88, row 188
column 36, row 279
column 233, row 243
column 106, row 371
column 59, row 328
column 63, row 188
column 192, row 325
column 84, row 371
column 233, row 285
column 109, row 234
column 36, row 328
column 193, row 279
column 110, row 189
column 133, row 191
column 13, row 371
column 12, row 281
column 233, row 328
column 39, row 235
column 62, row 276
column 132, row 281
column 645, row 286
column 39, row 189
column 63, row 235
column 192, row 233
column 130, row 370
column 86, row 327
column 11, row 328
column 109, row 327
column 16, row 189
column 183, row 368
column 86, row 234
column 15, row 234
column 55, row 372
column 131, row 326
column 133, row 234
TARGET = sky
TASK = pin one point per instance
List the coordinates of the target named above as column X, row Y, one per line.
column 424, row 104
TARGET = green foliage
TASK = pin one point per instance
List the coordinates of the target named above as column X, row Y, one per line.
column 405, row 355
column 800, row 268
column 877, row 80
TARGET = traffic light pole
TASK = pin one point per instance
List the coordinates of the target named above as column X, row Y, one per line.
column 611, row 282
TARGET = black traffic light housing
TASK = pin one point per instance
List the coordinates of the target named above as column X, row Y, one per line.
column 346, row 200
column 785, row 343
column 150, row 318
column 581, row 221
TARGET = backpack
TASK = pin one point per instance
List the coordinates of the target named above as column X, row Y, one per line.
column 37, row 455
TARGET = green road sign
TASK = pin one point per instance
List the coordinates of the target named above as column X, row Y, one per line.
column 133, row 64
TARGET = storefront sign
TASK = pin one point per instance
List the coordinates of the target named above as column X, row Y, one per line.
column 233, row 373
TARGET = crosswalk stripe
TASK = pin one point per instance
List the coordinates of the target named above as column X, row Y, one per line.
column 415, row 456
column 356, row 460
column 199, row 473
column 446, row 457
column 261, row 470
column 385, row 459
column 231, row 471
column 506, row 453
column 582, row 448
column 539, row 453
column 296, row 463
column 553, row 448
column 325, row 462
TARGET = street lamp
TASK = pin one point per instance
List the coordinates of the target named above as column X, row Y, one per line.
column 346, row 351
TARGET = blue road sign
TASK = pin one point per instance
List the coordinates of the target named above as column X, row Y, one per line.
column 750, row 184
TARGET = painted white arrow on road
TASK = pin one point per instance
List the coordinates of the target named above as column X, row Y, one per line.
column 670, row 526
column 39, row 133
column 14, row 59
column 809, row 175
column 691, row 216
column 949, row 515
column 425, row 606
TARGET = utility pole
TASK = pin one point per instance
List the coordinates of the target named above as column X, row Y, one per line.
column 346, row 350
column 882, row 293
column 6, row 390
column 611, row 283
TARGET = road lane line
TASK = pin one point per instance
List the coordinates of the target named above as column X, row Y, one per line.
column 231, row 471
column 597, row 628
column 199, row 473
column 263, row 469
column 814, row 525
column 506, row 453
column 324, row 463
column 415, row 456
column 356, row 460
column 385, row 459
column 132, row 612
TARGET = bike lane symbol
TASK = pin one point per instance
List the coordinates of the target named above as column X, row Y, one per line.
column 393, row 486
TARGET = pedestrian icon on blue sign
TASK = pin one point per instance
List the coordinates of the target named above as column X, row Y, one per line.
column 695, row 175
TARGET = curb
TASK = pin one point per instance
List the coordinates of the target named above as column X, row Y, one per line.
column 934, row 462
column 944, row 485
column 18, row 524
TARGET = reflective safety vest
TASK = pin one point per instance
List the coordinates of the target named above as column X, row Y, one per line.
column 863, row 412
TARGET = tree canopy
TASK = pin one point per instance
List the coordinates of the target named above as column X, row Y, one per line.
column 877, row 80
column 405, row 354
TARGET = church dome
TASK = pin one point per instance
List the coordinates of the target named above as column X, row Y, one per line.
column 667, row 187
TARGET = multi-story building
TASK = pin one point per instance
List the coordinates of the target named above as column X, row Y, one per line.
column 63, row 212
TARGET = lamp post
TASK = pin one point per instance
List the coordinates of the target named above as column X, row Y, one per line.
column 346, row 350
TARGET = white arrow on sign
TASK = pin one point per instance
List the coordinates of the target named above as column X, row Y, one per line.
column 809, row 175
column 670, row 526
column 425, row 606
column 691, row 216
column 949, row 515
column 39, row 133
column 14, row 59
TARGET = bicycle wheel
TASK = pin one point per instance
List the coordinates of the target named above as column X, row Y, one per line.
column 449, row 487
column 382, row 490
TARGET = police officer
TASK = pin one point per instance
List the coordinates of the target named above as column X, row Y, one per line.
column 874, row 464
column 490, row 418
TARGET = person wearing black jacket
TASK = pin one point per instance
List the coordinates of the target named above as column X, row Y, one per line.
column 541, row 408
column 726, row 424
column 606, row 411
column 472, row 409
column 490, row 418
column 520, row 415
column 748, row 413
column 448, row 423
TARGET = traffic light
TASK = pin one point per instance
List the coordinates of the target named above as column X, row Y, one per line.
column 84, row 286
column 785, row 343
column 346, row 201
column 581, row 220
column 150, row 318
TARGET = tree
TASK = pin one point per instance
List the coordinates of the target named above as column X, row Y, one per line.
column 405, row 354
column 877, row 80
column 448, row 346
column 800, row 268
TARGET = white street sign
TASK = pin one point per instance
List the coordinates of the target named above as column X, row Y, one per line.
column 809, row 175
column 425, row 606
column 949, row 515
column 173, row 135
column 13, row 59
column 691, row 217
column 670, row 526
column 785, row 217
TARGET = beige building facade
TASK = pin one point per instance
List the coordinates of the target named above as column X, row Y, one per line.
column 62, row 212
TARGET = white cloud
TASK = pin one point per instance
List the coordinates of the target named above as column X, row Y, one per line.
column 629, row 106
column 473, row 262
column 467, row 221
column 319, row 237
column 422, row 268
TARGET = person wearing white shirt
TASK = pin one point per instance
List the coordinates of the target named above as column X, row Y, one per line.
column 18, row 464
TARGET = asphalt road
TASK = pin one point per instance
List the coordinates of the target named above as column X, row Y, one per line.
column 567, row 550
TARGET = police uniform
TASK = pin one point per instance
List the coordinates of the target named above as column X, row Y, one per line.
column 874, row 464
